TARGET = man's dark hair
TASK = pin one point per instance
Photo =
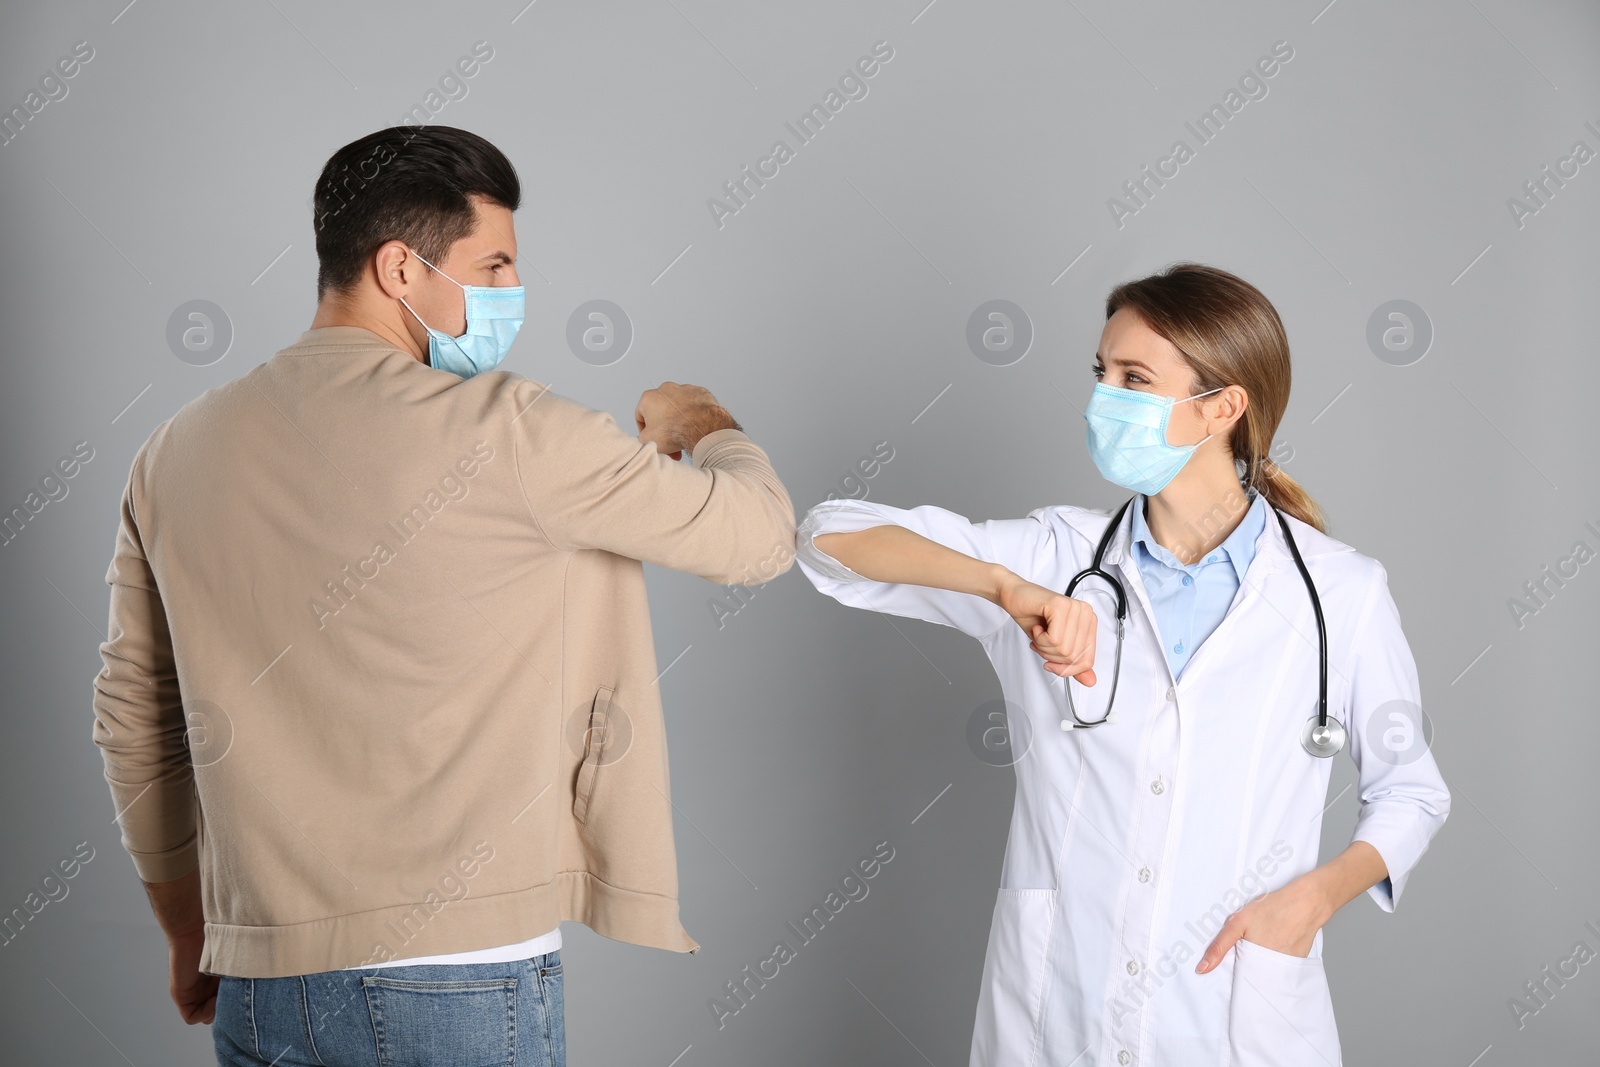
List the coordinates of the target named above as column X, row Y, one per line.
column 408, row 183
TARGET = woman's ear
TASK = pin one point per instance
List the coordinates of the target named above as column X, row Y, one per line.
column 1235, row 402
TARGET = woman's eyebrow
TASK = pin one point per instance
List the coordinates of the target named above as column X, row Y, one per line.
column 1119, row 361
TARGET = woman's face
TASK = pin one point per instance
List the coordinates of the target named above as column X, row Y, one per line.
column 1134, row 356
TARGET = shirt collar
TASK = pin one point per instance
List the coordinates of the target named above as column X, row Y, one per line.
column 1239, row 546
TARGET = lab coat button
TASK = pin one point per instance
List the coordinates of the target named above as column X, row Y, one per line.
column 1144, row 874
column 1123, row 1057
column 1172, row 693
column 1157, row 788
column 1133, row 966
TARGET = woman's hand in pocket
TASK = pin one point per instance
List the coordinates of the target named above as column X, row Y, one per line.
column 1285, row 920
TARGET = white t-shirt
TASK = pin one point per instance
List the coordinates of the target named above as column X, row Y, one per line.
column 521, row 950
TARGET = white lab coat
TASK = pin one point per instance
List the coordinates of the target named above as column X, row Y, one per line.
column 1131, row 842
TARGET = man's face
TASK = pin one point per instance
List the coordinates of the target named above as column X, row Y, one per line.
column 486, row 257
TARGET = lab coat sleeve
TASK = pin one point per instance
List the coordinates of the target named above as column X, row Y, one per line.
column 1404, row 800
column 1011, row 542
column 139, row 722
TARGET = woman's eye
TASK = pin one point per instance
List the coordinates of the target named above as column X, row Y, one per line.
column 1100, row 372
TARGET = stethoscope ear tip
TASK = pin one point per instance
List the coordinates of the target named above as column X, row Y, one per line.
column 1068, row 724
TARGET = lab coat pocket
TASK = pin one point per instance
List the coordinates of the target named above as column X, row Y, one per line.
column 1281, row 1013
column 595, row 738
column 1015, row 977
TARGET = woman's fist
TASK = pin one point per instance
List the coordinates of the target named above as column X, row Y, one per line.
column 1061, row 630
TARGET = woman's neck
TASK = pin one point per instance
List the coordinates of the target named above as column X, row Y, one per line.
column 1197, row 510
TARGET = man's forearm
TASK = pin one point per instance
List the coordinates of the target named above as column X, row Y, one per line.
column 1346, row 876
column 177, row 905
column 897, row 555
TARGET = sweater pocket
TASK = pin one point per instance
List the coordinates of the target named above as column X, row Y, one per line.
column 596, row 738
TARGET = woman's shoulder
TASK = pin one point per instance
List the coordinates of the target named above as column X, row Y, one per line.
column 1081, row 523
column 1314, row 542
column 1335, row 565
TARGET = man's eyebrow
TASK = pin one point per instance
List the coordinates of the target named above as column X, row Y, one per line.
column 501, row 256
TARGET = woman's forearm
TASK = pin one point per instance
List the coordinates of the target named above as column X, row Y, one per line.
column 895, row 554
column 1345, row 877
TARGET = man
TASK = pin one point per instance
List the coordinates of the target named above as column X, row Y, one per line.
column 379, row 704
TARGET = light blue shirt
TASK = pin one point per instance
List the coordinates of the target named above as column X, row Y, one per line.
column 1189, row 602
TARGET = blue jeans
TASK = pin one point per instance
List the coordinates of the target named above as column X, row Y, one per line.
column 482, row 1014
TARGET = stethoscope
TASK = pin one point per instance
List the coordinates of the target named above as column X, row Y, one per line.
column 1322, row 736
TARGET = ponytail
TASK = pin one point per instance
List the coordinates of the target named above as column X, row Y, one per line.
column 1286, row 494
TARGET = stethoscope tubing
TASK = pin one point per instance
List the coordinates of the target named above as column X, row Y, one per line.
column 1319, row 739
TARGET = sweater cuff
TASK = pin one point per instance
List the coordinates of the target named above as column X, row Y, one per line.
column 708, row 445
column 169, row 865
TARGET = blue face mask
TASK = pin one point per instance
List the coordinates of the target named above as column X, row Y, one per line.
column 1128, row 437
column 494, row 314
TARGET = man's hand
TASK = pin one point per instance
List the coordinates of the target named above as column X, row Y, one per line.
column 1062, row 629
column 674, row 417
column 193, row 992
column 1284, row 920
column 177, row 908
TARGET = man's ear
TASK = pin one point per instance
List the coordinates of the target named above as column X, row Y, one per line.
column 395, row 268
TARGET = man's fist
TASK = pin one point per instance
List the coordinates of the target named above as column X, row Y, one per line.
column 674, row 417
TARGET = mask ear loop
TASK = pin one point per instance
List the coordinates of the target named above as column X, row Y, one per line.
column 1253, row 469
column 431, row 331
column 431, row 267
column 1185, row 400
column 414, row 315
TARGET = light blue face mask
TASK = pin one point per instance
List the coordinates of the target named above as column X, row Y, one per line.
column 1128, row 437
column 494, row 314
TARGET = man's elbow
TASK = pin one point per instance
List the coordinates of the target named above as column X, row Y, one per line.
column 764, row 556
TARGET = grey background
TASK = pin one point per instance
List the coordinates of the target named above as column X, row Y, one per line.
column 828, row 315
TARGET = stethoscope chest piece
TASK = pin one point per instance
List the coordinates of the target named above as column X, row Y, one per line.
column 1322, row 739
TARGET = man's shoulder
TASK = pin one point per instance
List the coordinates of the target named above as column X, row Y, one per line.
column 214, row 409
column 521, row 393
column 536, row 414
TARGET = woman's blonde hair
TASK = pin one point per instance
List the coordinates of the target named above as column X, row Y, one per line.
column 1229, row 334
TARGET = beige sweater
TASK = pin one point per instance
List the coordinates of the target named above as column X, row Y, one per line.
column 403, row 616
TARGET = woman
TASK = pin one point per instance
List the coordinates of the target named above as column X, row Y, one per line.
column 1160, row 902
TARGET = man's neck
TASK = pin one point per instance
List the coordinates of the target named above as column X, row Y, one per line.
column 330, row 313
